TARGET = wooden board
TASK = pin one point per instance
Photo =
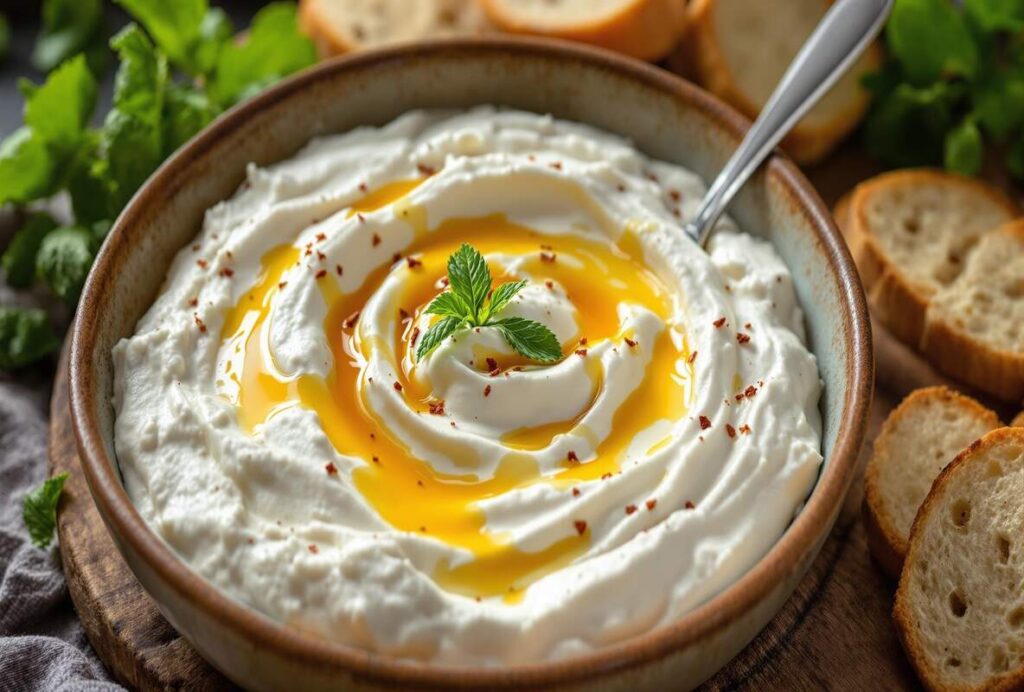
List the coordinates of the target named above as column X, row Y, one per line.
column 834, row 632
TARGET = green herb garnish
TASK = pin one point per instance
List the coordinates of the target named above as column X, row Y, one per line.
column 39, row 510
column 25, row 336
column 466, row 305
column 954, row 83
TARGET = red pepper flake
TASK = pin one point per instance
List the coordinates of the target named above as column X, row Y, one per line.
column 705, row 422
column 419, row 483
column 750, row 391
column 620, row 187
column 731, row 431
column 362, row 187
column 425, row 169
column 203, row 264
column 375, row 459
column 742, row 338
column 651, row 177
column 321, row 274
column 194, row 302
column 693, row 357
column 415, row 335
column 398, row 386
column 557, row 165
column 423, row 529
column 313, row 549
column 437, row 408
column 351, row 320
column 444, row 281
column 321, row 237
column 376, row 240
column 739, row 397
column 320, row 256
column 362, row 219
column 747, row 326
column 492, row 364
column 689, row 505
column 199, row 323
column 651, row 504
column 396, row 257
column 487, row 390
column 403, row 315
column 195, row 248
column 719, row 323
column 581, row 526
column 606, row 476
column 674, row 195
column 575, row 492
column 745, row 429
column 412, row 262
column 630, row 509
column 550, row 284
column 676, row 213
column 581, row 352
column 548, row 257
column 630, row 342
column 572, row 458
column 331, row 469
column 281, row 285
column 372, row 435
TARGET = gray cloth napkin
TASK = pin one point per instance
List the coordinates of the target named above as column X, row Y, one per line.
column 42, row 645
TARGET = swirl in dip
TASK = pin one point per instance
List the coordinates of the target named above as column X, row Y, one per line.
column 275, row 429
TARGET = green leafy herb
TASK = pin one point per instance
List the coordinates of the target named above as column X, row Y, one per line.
column 466, row 305
column 63, row 261
column 954, row 82
column 39, row 510
column 59, row 110
column 175, row 26
column 71, row 27
column 26, row 167
column 25, row 336
column 19, row 259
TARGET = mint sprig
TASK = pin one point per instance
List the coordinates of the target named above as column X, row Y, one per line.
column 466, row 305
column 39, row 510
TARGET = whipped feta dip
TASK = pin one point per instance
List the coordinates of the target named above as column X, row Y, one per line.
column 275, row 428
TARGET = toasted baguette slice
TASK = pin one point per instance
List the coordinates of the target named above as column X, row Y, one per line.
column 340, row 26
column 1018, row 422
column 740, row 49
column 918, row 439
column 959, row 608
column 910, row 232
column 974, row 328
column 645, row 29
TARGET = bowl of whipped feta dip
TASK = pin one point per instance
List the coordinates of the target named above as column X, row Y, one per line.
column 405, row 373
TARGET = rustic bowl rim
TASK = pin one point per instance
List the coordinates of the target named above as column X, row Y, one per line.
column 127, row 524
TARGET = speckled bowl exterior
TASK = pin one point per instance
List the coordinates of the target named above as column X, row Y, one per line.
column 665, row 117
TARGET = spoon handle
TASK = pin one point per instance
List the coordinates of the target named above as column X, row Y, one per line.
column 843, row 34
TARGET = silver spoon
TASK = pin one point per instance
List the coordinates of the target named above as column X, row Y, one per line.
column 843, row 34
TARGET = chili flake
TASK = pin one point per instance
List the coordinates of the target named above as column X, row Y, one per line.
column 750, row 391
column 693, row 357
column 731, row 431
column 415, row 335
column 742, row 338
column 719, row 323
column 651, row 504
column 572, row 458
column 331, row 469
column 689, row 505
column 203, row 264
column 548, row 257
column 376, row 240
column 487, row 390
column 581, row 352
column 557, row 165
column 281, row 285
column 425, row 169
column 199, row 323
column 313, row 549
column 398, row 386
column 227, row 272
column 321, row 237
column 412, row 262
column 581, row 526
column 362, row 187
column 630, row 342
column 437, row 408
column 194, row 302
column 705, row 422
column 630, row 509
column 321, row 274
column 492, row 364
column 575, row 492
column 745, row 429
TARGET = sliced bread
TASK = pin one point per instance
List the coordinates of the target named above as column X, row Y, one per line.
column 974, row 328
column 645, row 29
column 918, row 439
column 340, row 26
column 1018, row 422
column 739, row 50
column 959, row 609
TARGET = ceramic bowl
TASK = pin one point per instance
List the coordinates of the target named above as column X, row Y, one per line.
column 665, row 117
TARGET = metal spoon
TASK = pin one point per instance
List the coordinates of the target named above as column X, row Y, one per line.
column 843, row 34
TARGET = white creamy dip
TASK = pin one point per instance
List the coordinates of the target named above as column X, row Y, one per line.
column 471, row 507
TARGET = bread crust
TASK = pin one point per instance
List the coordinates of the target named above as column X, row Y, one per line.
column 886, row 543
column 645, row 29
column 902, row 615
column 1018, row 422
column 997, row 371
column 806, row 143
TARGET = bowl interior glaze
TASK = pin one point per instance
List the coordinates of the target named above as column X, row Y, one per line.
column 664, row 116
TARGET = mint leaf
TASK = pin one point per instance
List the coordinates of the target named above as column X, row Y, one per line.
column 39, row 510
column 501, row 297
column 530, row 339
column 996, row 15
column 437, row 333
column 215, row 32
column 448, row 304
column 71, row 27
column 25, row 337
column 60, row 109
column 87, row 183
column 273, row 49
column 907, row 126
column 932, row 40
column 187, row 110
column 19, row 259
column 64, row 259
column 470, row 278
column 174, row 24
column 964, row 149
column 998, row 100
column 27, row 169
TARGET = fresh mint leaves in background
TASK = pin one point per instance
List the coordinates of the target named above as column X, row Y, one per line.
column 178, row 68
column 953, row 85
column 39, row 510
